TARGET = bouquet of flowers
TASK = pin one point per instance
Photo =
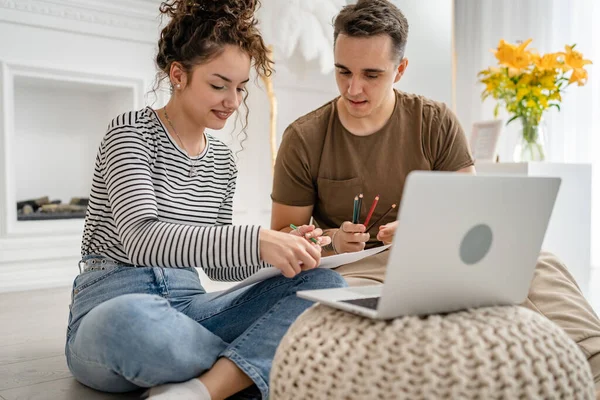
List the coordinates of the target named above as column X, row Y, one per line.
column 527, row 83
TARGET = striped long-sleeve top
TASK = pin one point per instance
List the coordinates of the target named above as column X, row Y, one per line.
column 145, row 209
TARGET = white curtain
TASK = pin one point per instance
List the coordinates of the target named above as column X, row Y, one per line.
column 573, row 133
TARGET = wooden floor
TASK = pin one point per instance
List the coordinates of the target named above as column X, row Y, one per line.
column 32, row 340
column 32, row 335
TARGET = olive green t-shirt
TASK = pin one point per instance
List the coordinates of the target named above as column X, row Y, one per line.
column 320, row 163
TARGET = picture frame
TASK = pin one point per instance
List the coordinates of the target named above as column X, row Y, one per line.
column 484, row 139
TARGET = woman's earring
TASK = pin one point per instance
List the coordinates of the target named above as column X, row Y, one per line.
column 178, row 86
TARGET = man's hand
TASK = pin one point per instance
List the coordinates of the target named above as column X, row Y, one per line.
column 387, row 232
column 350, row 238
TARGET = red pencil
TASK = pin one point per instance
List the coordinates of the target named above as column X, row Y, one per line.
column 370, row 214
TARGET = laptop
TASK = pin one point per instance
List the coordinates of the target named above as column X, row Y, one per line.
column 463, row 241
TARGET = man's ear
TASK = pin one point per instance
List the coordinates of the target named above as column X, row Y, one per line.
column 401, row 69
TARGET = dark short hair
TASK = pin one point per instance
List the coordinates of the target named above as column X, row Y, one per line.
column 371, row 18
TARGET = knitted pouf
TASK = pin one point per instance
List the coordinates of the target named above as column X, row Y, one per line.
column 487, row 353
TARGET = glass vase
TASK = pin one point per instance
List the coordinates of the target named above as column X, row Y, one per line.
column 531, row 144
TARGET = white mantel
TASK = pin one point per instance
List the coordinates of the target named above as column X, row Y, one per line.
column 569, row 232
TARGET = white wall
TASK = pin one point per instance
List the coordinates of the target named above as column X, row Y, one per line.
column 429, row 48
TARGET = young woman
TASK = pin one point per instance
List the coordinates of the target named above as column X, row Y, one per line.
column 161, row 206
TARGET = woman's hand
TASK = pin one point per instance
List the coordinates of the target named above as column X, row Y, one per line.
column 386, row 232
column 291, row 254
column 310, row 232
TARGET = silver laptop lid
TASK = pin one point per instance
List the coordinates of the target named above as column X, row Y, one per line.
column 465, row 241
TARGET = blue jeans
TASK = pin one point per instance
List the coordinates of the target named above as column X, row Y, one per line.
column 132, row 328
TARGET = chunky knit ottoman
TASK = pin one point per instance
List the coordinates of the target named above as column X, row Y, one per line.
column 488, row 353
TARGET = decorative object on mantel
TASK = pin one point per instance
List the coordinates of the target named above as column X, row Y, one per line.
column 44, row 209
column 527, row 84
column 300, row 32
column 484, row 140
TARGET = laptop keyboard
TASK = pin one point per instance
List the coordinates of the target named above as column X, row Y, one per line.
column 368, row 302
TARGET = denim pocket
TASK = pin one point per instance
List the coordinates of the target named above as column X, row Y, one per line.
column 89, row 278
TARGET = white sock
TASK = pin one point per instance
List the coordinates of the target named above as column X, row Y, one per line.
column 193, row 389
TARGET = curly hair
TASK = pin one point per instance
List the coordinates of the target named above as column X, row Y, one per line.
column 371, row 18
column 199, row 30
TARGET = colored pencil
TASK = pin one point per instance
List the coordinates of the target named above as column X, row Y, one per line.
column 371, row 210
column 294, row 227
column 360, row 199
column 381, row 218
column 355, row 211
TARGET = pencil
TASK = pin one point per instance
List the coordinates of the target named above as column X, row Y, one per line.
column 355, row 211
column 380, row 218
column 370, row 214
column 360, row 199
column 294, row 227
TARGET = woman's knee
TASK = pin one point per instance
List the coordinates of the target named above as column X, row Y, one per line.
column 109, row 330
column 322, row 278
column 143, row 339
column 122, row 316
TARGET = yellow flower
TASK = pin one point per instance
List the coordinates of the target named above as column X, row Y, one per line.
column 547, row 82
column 516, row 58
column 510, row 85
column 522, row 93
column 580, row 76
column 574, row 59
column 490, row 86
column 548, row 61
column 555, row 96
column 527, row 83
column 525, row 79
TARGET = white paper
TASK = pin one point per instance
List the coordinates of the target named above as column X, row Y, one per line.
column 326, row 262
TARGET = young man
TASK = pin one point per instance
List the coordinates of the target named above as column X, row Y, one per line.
column 372, row 135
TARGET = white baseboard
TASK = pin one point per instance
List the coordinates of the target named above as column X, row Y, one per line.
column 36, row 274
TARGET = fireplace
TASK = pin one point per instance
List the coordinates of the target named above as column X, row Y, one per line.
column 56, row 120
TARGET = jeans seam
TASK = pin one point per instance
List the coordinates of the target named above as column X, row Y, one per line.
column 301, row 279
column 232, row 349
column 103, row 366
column 248, row 369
